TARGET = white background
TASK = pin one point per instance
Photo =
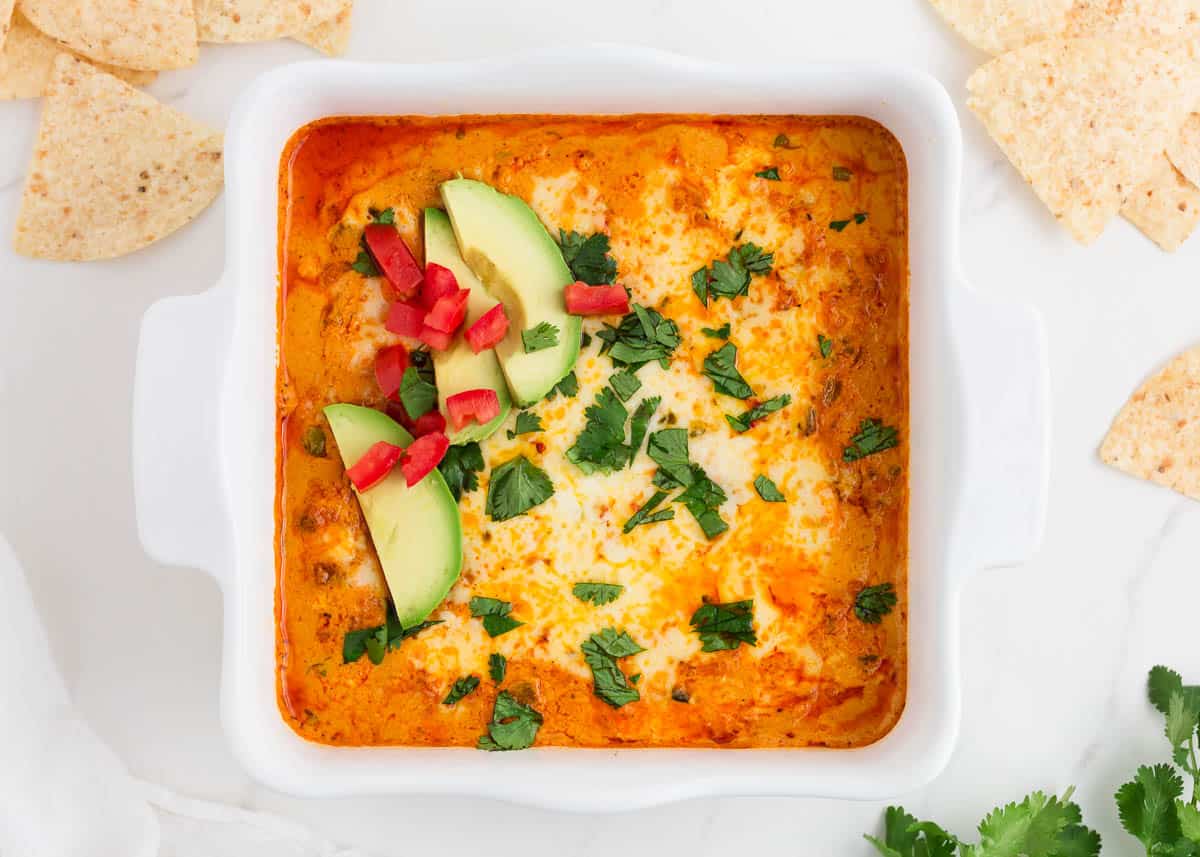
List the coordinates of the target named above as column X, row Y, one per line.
column 1055, row 652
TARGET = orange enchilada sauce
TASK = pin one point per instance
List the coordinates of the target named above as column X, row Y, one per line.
column 843, row 684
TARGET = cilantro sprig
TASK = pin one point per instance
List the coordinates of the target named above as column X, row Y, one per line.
column 745, row 421
column 725, row 626
column 514, row 725
column 587, row 257
column 376, row 642
column 517, row 486
column 494, row 614
column 527, row 423
column 730, row 277
column 601, row 651
column 872, row 437
column 461, row 689
column 416, row 394
column 541, row 336
column 643, row 336
column 601, row 446
column 874, row 602
column 597, row 594
column 460, row 468
column 720, row 367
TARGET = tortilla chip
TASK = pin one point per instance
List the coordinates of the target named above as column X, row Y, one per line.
column 1166, row 206
column 149, row 35
column 997, row 26
column 1165, row 25
column 27, row 61
column 6, row 16
column 330, row 37
column 1184, row 149
column 1081, row 119
column 113, row 170
column 262, row 20
column 1157, row 434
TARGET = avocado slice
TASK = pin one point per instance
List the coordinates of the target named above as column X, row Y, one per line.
column 416, row 531
column 458, row 368
column 510, row 250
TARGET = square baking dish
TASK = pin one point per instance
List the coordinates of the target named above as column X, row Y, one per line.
column 204, row 425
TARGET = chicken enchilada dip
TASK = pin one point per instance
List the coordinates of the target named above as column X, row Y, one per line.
column 592, row 431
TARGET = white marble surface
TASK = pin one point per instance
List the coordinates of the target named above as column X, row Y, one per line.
column 1054, row 653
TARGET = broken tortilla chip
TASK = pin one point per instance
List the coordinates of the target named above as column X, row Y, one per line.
column 1157, row 434
column 330, row 37
column 996, row 26
column 1166, row 206
column 149, row 35
column 113, row 170
column 1184, row 149
column 262, row 20
column 27, row 61
column 1083, row 121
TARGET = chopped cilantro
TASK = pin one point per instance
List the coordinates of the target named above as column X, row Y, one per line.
column 568, row 386
column 460, row 468
column 597, row 594
column 587, row 257
column 743, row 422
column 646, row 514
column 824, row 345
column 497, row 667
column 703, row 498
column 416, row 394
column 527, row 423
column 668, row 448
column 782, row 142
column 725, row 626
column 873, row 436
column 642, row 336
column 601, row 651
column 860, row 217
column 461, row 688
column 494, row 614
column 874, row 602
column 387, row 217
column 730, row 278
column 514, row 726
column 378, row 641
column 516, row 486
column 544, row 335
column 721, row 368
column 601, row 444
column 768, row 490
column 721, row 332
column 625, row 383
column 313, row 440
column 585, row 339
column 365, row 265
column 769, row 173
column 641, row 422
column 841, row 174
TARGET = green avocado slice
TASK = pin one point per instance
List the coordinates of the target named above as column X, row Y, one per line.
column 508, row 248
column 416, row 531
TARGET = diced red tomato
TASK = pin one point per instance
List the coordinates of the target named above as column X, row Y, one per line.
column 405, row 319
column 488, row 329
column 583, row 299
column 480, row 406
column 436, row 339
column 393, row 258
column 429, row 423
column 448, row 314
column 422, row 455
column 439, row 282
column 390, row 364
column 376, row 463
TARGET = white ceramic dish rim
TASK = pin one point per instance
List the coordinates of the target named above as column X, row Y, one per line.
column 204, row 425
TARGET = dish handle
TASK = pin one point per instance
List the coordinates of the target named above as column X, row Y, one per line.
column 1002, row 345
column 181, row 361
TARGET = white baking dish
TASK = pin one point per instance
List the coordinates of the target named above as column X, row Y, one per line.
column 204, row 416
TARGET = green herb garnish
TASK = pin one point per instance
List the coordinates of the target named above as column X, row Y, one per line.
column 625, row 383
column 743, row 422
column 782, row 142
column 769, row 173
column 721, row 332
column 460, row 468
column 365, row 265
column 642, row 337
column 497, row 666
column 516, row 486
column 668, row 448
column 601, row 447
column 527, row 423
column 494, row 614
column 597, row 594
column 514, row 726
column 721, row 368
column 725, row 626
column 730, row 278
column 860, row 217
column 646, row 514
column 640, row 423
column 874, row 602
column 587, row 257
column 568, row 386
column 873, row 436
column 416, row 394
column 544, row 335
column 378, row 641
column 703, row 498
column 768, row 490
column 313, row 440
column 842, row 174
column 601, row 651
column 824, row 345
column 461, row 688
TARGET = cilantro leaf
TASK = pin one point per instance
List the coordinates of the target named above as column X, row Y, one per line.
column 540, row 337
column 597, row 594
column 743, row 422
column 905, row 836
column 378, row 641
column 824, row 345
column 494, row 614
column 1182, row 717
column 873, row 436
column 782, row 142
column 1146, row 805
column 640, row 423
column 416, row 394
column 568, row 386
column 365, row 265
column 668, row 449
column 625, row 383
column 768, row 490
column 721, row 368
column 703, row 498
column 1033, row 827
column 387, row 217
column 768, row 173
column 874, row 602
column 527, row 423
column 1162, row 684
column 313, row 440
column 842, row 174
column 646, row 514
column 461, row 688
column 721, row 332
column 587, row 257
column 859, row 217
column 497, row 666
column 730, row 278
column 460, row 468
column 600, row 447
column 514, row 726
column 641, row 337
column 517, row 486
column 725, row 626
column 601, row 651
column 1189, row 821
